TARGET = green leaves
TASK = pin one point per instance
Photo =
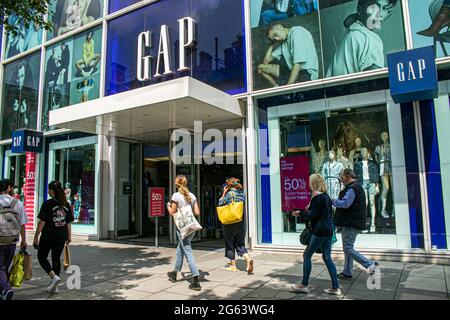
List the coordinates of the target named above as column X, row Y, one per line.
column 29, row 12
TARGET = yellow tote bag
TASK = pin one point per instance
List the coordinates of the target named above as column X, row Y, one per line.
column 16, row 274
column 231, row 213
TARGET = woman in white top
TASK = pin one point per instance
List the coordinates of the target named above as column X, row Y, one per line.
column 181, row 199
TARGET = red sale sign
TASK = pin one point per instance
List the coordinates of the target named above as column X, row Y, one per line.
column 295, row 191
column 29, row 188
column 156, row 202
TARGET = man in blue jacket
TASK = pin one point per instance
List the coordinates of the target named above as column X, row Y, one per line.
column 351, row 216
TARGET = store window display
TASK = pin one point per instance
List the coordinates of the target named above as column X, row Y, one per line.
column 383, row 158
column 331, row 172
column 327, row 143
column 366, row 171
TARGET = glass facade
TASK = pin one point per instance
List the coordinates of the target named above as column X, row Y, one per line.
column 217, row 58
column 340, row 123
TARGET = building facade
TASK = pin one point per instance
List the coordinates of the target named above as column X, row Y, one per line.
column 302, row 84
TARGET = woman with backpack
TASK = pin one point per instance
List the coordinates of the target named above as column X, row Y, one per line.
column 55, row 217
column 320, row 214
column 180, row 199
column 234, row 234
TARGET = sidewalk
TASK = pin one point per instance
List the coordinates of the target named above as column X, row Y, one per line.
column 112, row 270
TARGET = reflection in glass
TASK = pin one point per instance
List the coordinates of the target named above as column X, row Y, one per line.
column 116, row 5
column 20, row 95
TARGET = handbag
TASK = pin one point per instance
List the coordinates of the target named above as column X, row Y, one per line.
column 27, row 266
column 305, row 236
column 16, row 273
column 66, row 263
column 231, row 213
column 185, row 221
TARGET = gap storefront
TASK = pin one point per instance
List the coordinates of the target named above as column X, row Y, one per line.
column 307, row 78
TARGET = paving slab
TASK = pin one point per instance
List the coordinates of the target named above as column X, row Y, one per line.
column 422, row 285
column 166, row 296
column 222, row 292
column 403, row 294
column 424, row 271
column 249, row 281
column 182, row 288
column 356, row 294
column 154, row 285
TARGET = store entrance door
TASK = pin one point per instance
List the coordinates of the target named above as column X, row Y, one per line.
column 128, row 188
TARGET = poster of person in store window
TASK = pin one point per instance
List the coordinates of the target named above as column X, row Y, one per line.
column 68, row 15
column 72, row 72
column 430, row 24
column 285, row 41
column 85, row 84
column 20, row 95
column 57, row 77
column 25, row 38
column 357, row 35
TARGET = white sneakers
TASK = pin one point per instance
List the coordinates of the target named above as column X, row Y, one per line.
column 334, row 292
column 298, row 288
column 53, row 286
column 372, row 268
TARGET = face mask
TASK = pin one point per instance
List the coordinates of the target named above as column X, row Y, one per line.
column 235, row 183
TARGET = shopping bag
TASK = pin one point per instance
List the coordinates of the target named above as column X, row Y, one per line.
column 16, row 273
column 66, row 263
column 185, row 221
column 334, row 238
column 27, row 265
column 231, row 213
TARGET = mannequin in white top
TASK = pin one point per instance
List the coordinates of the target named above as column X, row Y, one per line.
column 330, row 172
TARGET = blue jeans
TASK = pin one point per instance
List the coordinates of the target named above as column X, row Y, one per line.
column 325, row 244
column 6, row 257
column 184, row 249
column 348, row 241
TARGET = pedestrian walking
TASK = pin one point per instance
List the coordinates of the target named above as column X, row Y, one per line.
column 180, row 199
column 351, row 213
column 320, row 215
column 55, row 231
column 234, row 234
column 13, row 219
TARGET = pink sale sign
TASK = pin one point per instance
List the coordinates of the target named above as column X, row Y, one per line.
column 294, row 182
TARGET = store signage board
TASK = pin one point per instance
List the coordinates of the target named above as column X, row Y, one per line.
column 27, row 141
column 164, row 65
column 413, row 75
column 156, row 202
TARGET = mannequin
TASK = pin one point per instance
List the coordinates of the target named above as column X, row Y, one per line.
column 367, row 174
column 342, row 159
column 68, row 192
column 383, row 158
column 330, row 172
column 355, row 154
column 319, row 157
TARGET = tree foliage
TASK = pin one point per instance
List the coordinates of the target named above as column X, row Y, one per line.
column 29, row 11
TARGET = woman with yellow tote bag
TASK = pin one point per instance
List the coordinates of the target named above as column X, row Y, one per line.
column 231, row 214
